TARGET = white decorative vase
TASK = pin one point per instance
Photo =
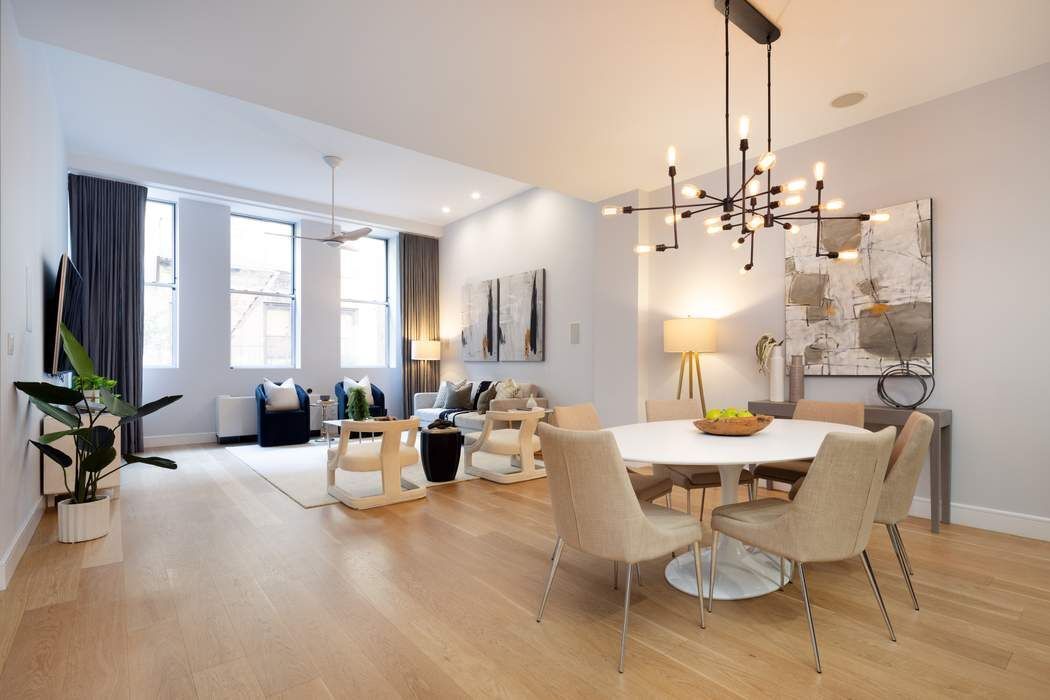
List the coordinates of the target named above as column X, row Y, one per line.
column 531, row 403
column 776, row 374
column 78, row 522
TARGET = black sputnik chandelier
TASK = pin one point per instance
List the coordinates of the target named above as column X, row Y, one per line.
column 754, row 205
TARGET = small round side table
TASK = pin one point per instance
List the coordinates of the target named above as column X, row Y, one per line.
column 439, row 449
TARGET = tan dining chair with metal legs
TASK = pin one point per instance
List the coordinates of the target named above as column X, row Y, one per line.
column 389, row 455
column 826, row 411
column 690, row 478
column 829, row 520
column 520, row 444
column 596, row 512
column 902, row 477
column 647, row 487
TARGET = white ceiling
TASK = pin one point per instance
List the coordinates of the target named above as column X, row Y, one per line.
column 580, row 96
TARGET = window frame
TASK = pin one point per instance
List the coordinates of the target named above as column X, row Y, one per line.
column 385, row 304
column 173, row 285
column 293, row 297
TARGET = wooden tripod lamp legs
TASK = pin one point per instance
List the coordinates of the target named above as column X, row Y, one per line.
column 692, row 359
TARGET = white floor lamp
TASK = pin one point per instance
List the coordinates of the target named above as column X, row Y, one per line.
column 690, row 336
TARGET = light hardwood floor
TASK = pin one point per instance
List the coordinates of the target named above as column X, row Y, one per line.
column 214, row 584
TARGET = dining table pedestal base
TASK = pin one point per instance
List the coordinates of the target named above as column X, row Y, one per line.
column 743, row 572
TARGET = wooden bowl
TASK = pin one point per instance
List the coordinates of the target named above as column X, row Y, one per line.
column 735, row 427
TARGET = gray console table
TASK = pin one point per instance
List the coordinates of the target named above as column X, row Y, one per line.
column 880, row 416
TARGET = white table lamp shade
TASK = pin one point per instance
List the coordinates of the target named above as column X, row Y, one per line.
column 426, row 349
column 689, row 335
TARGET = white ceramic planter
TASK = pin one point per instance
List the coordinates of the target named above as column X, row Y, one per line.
column 776, row 374
column 78, row 522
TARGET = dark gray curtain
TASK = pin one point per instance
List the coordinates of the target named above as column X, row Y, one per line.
column 106, row 221
column 419, row 313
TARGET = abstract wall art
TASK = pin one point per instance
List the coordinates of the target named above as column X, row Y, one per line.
column 522, row 304
column 859, row 317
column 479, row 327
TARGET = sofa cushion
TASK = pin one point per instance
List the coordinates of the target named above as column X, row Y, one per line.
column 443, row 391
column 471, row 420
column 281, row 397
column 507, row 389
column 365, row 383
column 486, row 398
column 428, row 415
column 459, row 397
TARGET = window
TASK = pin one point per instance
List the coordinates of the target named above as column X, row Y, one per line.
column 160, row 294
column 262, row 293
column 365, row 304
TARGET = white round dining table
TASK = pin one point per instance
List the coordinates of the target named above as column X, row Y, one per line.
column 743, row 572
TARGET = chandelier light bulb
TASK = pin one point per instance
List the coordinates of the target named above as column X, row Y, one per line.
column 848, row 255
column 792, row 200
column 766, row 162
column 755, row 222
column 793, row 228
column 446, row 209
column 714, row 229
column 610, row 211
column 880, row 216
column 818, row 170
column 795, row 185
column 672, row 156
column 643, row 249
column 690, row 191
column 671, row 218
column 746, row 268
column 713, row 220
column 745, row 126
column 752, row 187
column 834, row 204
column 737, row 243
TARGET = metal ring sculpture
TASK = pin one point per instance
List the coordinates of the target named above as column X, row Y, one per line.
column 922, row 374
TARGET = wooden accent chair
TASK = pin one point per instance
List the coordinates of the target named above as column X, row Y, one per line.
column 829, row 520
column 596, row 511
column 389, row 455
column 691, row 478
column 826, row 411
column 520, row 444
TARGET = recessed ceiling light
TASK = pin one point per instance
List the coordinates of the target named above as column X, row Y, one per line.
column 848, row 100
column 446, row 209
column 475, row 195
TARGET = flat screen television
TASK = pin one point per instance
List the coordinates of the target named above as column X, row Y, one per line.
column 68, row 305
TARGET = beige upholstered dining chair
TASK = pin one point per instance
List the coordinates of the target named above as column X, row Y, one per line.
column 389, row 455
column 826, row 411
column 902, row 476
column 829, row 520
column 690, row 478
column 519, row 443
column 647, row 487
column 596, row 511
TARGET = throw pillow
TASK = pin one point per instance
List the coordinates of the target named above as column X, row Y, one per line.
column 508, row 389
column 459, row 397
column 485, row 399
column 443, row 391
column 349, row 385
column 281, row 397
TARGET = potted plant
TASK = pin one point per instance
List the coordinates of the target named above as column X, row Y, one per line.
column 358, row 404
column 92, row 385
column 84, row 515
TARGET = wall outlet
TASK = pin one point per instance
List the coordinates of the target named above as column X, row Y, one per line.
column 574, row 333
column 10, row 343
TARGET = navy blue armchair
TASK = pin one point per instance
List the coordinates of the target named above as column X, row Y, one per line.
column 282, row 427
column 377, row 409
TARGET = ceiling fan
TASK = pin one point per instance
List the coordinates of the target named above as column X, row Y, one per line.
column 337, row 237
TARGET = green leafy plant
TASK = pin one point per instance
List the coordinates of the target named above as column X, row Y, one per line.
column 95, row 444
column 94, row 382
column 358, row 404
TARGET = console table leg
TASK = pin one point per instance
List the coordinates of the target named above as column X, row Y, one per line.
column 946, row 474
column 935, row 483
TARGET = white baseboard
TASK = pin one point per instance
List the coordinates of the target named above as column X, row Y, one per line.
column 178, row 439
column 1023, row 524
column 13, row 555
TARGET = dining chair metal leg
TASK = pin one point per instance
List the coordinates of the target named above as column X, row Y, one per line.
column 878, row 595
column 626, row 613
column 616, row 575
column 897, row 549
column 638, row 573
column 550, row 577
column 556, row 541
column 714, row 568
column 699, row 581
column 781, row 573
column 703, row 497
column 667, row 500
column 904, row 552
column 809, row 613
column 689, row 501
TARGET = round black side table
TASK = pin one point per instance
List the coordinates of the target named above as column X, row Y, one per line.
column 440, row 450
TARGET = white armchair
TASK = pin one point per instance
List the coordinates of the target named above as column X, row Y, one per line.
column 519, row 443
column 389, row 455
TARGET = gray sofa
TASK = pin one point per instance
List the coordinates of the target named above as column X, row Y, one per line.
column 423, row 408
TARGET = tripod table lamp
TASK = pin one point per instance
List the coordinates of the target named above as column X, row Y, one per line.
column 690, row 336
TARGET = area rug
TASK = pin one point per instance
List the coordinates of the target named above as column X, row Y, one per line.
column 298, row 471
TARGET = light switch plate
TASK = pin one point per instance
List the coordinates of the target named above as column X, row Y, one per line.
column 574, row 333
column 10, row 343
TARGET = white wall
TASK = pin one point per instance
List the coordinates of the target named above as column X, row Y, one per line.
column 538, row 228
column 981, row 155
column 33, row 234
column 204, row 370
